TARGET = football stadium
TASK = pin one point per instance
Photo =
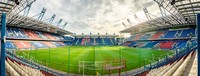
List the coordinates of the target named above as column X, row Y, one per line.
column 34, row 44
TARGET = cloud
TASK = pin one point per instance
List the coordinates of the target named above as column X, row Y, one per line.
column 96, row 16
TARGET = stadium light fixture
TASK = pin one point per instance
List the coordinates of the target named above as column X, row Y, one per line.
column 173, row 2
column 16, row 1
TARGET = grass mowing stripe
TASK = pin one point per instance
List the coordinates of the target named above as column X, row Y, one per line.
column 59, row 56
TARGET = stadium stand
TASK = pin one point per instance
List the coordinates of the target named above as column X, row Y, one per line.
column 9, row 45
column 167, row 45
column 156, row 35
column 94, row 41
column 170, row 34
column 49, row 44
column 150, row 44
column 21, row 70
column 145, row 37
column 176, row 68
column 162, row 36
column 23, row 45
column 180, row 44
column 187, row 32
column 137, row 37
column 126, row 43
column 132, row 44
column 32, row 34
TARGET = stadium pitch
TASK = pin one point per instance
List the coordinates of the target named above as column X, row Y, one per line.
column 82, row 59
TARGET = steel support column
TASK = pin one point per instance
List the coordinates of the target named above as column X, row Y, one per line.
column 198, row 37
column 3, row 41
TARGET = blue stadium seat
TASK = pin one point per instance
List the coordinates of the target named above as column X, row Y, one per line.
column 145, row 37
column 107, row 41
column 180, row 44
column 170, row 34
column 39, row 45
column 132, row 44
column 79, row 41
column 18, row 33
column 187, row 32
column 150, row 44
column 9, row 45
column 91, row 41
column 9, row 33
column 131, row 38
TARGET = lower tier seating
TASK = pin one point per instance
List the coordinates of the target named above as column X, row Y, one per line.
column 167, row 45
column 150, row 45
column 125, row 44
column 17, row 69
column 177, row 68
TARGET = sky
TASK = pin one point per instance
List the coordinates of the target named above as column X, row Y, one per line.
column 95, row 16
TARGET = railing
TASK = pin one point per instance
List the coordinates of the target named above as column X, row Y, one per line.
column 10, row 54
column 168, row 59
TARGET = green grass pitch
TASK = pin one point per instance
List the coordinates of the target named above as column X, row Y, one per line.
column 67, row 58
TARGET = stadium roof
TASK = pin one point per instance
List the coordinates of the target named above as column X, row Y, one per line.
column 13, row 7
column 30, row 23
column 181, row 12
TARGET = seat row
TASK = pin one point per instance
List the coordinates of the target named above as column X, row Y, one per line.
column 94, row 41
column 181, row 33
column 175, row 69
column 30, row 34
column 31, row 45
column 16, row 69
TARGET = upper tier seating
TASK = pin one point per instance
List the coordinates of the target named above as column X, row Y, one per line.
column 170, row 34
column 40, row 34
column 18, row 33
column 9, row 33
column 187, row 33
column 157, row 35
column 131, row 38
column 32, row 34
column 49, row 36
column 166, row 45
column 137, row 37
column 57, row 37
column 145, row 37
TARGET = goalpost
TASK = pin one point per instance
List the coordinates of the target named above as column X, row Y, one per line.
column 89, row 65
column 106, row 65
